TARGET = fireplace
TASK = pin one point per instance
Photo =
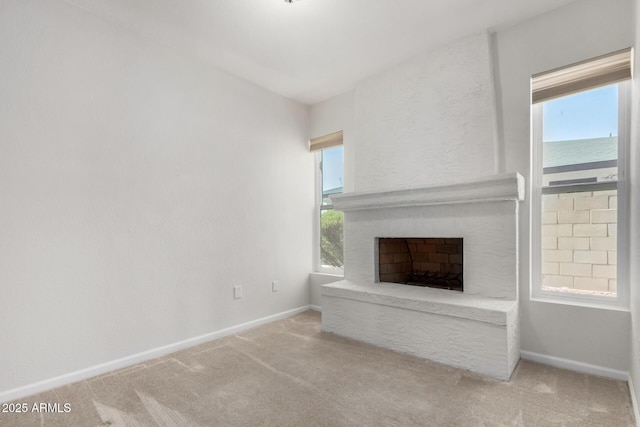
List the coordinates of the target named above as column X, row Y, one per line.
column 475, row 329
column 426, row 262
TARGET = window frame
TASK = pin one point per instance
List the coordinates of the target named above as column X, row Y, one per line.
column 318, row 267
column 621, row 301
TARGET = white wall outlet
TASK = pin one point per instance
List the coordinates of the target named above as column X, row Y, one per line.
column 237, row 292
column 275, row 286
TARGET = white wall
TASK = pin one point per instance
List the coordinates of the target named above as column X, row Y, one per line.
column 634, row 216
column 578, row 31
column 428, row 120
column 316, row 280
column 137, row 186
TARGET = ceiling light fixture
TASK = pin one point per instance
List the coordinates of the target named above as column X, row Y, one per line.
column 289, row 1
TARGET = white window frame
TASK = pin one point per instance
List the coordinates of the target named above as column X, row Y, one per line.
column 621, row 301
column 318, row 267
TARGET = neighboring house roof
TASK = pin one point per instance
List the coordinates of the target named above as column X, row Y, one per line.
column 331, row 191
column 560, row 153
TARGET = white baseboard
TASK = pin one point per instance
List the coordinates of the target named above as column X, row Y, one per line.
column 634, row 401
column 82, row 374
column 573, row 365
column 316, row 308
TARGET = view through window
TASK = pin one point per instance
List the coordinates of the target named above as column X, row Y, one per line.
column 331, row 229
column 579, row 193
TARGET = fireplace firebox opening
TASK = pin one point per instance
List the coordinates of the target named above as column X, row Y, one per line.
column 427, row 262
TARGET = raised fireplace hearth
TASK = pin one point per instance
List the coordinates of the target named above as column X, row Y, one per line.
column 475, row 327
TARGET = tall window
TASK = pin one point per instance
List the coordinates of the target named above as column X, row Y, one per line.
column 579, row 197
column 330, row 176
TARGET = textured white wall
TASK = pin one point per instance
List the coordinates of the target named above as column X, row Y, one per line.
column 137, row 186
column 488, row 229
column 578, row 31
column 428, row 120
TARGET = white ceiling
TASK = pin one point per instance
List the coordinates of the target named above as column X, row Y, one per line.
column 311, row 50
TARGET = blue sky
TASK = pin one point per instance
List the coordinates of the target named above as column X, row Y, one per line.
column 332, row 168
column 591, row 114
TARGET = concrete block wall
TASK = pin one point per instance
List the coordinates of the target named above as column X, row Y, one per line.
column 579, row 237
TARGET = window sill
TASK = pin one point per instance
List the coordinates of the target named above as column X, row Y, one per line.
column 600, row 305
column 336, row 275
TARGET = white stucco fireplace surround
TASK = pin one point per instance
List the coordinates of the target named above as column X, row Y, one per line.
column 477, row 329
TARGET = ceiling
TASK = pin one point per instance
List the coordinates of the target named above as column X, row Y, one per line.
column 311, row 50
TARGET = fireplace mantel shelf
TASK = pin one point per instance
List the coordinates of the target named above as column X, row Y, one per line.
column 503, row 187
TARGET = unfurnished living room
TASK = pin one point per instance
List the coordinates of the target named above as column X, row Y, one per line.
column 319, row 212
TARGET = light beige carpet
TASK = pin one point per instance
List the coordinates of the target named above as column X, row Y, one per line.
column 289, row 373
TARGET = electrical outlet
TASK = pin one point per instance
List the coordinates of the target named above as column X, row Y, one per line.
column 237, row 292
column 275, row 286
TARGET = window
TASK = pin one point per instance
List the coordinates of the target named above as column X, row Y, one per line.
column 330, row 176
column 579, row 194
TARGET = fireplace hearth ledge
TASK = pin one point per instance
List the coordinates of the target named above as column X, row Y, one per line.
column 429, row 300
column 479, row 334
column 475, row 333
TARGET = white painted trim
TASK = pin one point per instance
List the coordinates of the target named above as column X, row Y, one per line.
column 573, row 365
column 317, row 264
column 82, row 374
column 328, row 275
column 634, row 401
column 316, row 308
column 587, row 303
column 535, row 187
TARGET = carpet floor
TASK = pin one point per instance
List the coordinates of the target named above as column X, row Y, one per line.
column 289, row 373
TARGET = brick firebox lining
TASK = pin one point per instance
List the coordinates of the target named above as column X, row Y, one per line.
column 400, row 257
